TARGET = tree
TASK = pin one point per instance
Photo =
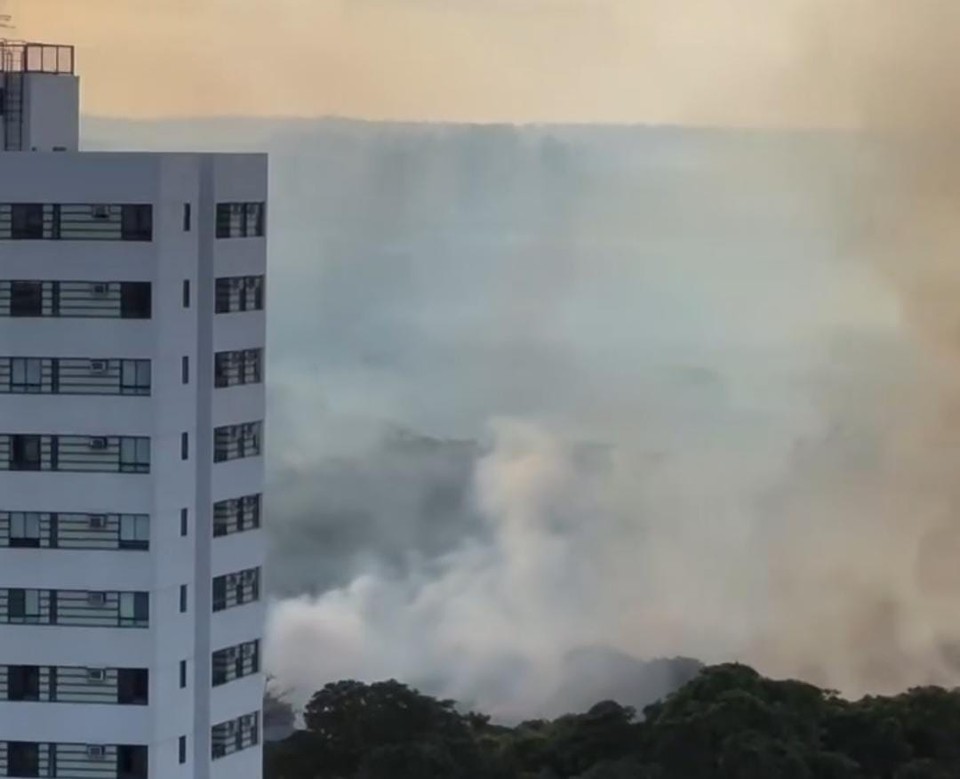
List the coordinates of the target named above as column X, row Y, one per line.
column 729, row 722
column 351, row 721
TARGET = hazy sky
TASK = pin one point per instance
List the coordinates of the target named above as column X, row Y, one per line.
column 740, row 61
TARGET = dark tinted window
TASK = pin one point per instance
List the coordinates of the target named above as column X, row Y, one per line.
column 23, row 758
column 26, row 298
column 25, row 453
column 141, row 606
column 136, row 222
column 219, row 593
column 23, row 682
column 26, row 221
column 135, row 300
column 131, row 761
column 133, row 686
column 223, row 220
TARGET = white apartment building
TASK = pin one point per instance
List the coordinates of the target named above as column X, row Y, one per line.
column 131, row 434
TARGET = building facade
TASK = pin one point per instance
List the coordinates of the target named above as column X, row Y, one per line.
column 131, row 447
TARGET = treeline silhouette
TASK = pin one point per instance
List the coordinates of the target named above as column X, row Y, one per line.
column 729, row 722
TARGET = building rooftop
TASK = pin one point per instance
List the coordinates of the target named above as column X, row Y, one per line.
column 29, row 57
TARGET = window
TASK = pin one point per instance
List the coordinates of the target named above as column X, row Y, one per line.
column 235, row 515
column 254, row 293
column 26, row 374
column 131, row 761
column 184, row 446
column 253, row 366
column 183, row 598
column 133, row 686
column 251, row 511
column 236, row 589
column 25, row 453
column 183, row 674
column 184, row 370
column 223, row 220
column 135, row 300
column 24, row 529
column 186, row 217
column 235, row 662
column 136, row 222
column 219, row 662
column 135, row 455
column 134, row 608
column 233, row 442
column 222, row 296
column 135, row 377
column 183, row 522
column 186, row 293
column 23, row 606
column 182, row 749
column 239, row 367
column 23, row 758
column 240, row 220
column 26, row 221
column 23, row 682
column 222, row 369
column 220, row 593
column 26, row 298
column 134, row 531
column 238, row 293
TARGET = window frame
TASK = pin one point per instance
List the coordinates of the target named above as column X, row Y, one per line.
column 20, row 445
column 31, row 375
column 134, row 454
column 136, row 300
column 141, row 377
column 24, row 222
column 27, row 601
column 30, row 530
column 19, row 297
column 134, row 531
column 136, row 222
column 133, row 609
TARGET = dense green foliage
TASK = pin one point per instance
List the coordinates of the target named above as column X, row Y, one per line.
column 727, row 723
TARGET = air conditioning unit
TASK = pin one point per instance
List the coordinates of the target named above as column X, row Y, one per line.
column 100, row 212
column 99, row 366
column 96, row 598
column 96, row 674
column 96, row 752
column 97, row 521
column 100, row 289
column 98, row 443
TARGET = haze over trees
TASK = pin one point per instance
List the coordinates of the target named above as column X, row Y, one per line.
column 728, row 722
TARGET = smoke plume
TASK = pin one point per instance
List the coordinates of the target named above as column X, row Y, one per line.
column 830, row 555
column 682, row 393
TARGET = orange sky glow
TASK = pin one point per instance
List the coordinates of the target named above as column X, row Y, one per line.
column 660, row 61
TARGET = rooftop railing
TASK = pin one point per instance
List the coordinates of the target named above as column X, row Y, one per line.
column 24, row 57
